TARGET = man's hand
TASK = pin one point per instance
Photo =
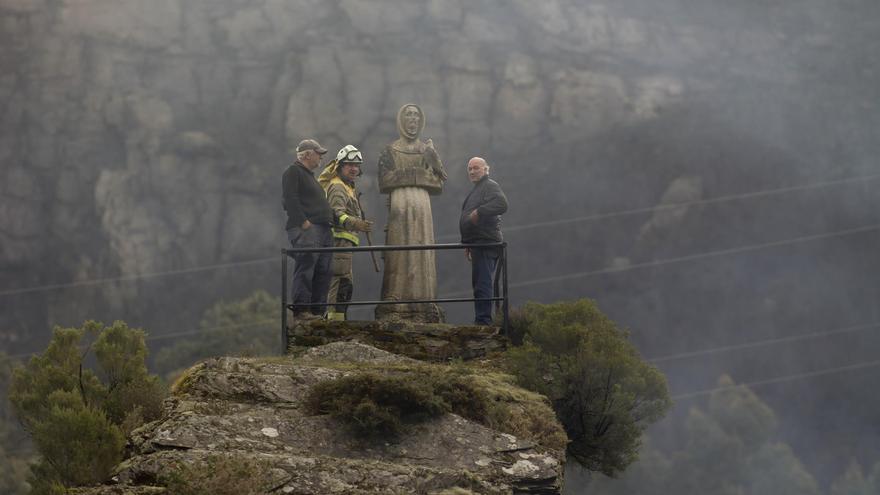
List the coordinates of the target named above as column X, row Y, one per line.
column 474, row 217
column 307, row 224
column 467, row 254
column 359, row 225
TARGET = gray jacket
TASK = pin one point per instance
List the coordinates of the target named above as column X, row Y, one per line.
column 490, row 202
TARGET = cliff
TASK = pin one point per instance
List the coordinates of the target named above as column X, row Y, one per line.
column 254, row 412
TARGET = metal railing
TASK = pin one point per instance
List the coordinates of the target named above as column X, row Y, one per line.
column 501, row 300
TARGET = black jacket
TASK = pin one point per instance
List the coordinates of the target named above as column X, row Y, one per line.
column 304, row 198
column 490, row 202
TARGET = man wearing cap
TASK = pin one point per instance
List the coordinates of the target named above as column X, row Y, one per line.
column 309, row 218
column 481, row 223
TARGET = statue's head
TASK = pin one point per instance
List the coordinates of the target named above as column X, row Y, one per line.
column 410, row 121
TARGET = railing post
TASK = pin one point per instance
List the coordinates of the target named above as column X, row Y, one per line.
column 284, row 336
column 497, row 277
column 506, row 296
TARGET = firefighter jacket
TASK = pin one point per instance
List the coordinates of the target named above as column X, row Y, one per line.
column 343, row 199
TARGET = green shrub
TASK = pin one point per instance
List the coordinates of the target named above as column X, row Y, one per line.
column 219, row 475
column 517, row 325
column 131, row 391
column 374, row 405
column 77, row 416
column 603, row 393
column 78, row 442
column 57, row 368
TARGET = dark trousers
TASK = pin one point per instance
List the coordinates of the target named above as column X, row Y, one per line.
column 311, row 271
column 483, row 263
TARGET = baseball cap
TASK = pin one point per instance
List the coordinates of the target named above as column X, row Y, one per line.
column 310, row 144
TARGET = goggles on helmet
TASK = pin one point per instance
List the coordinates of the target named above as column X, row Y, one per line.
column 349, row 154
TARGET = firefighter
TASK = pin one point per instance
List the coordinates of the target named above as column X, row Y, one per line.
column 338, row 180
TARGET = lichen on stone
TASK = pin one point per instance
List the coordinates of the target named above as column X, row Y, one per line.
column 255, row 408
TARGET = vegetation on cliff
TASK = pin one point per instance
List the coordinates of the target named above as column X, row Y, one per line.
column 78, row 417
column 730, row 448
column 603, row 392
column 374, row 403
column 600, row 391
column 220, row 475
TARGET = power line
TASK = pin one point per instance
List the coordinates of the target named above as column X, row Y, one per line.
column 763, row 343
column 691, row 257
column 808, row 374
column 173, row 335
column 599, row 216
column 127, row 278
column 680, row 259
column 685, row 204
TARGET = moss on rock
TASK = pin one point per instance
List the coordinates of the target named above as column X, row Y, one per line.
column 476, row 392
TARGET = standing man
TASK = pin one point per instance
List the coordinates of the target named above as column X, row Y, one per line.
column 481, row 223
column 338, row 180
column 309, row 219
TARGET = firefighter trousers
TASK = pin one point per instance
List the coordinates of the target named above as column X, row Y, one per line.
column 342, row 284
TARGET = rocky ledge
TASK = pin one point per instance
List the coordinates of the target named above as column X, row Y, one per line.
column 437, row 342
column 254, row 409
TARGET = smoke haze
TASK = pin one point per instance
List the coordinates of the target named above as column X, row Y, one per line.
column 143, row 137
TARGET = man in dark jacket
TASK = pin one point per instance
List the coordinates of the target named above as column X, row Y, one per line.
column 481, row 223
column 309, row 219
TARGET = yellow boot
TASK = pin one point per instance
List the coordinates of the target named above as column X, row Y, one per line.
column 334, row 316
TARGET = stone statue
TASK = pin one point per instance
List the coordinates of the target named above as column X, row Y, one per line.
column 409, row 171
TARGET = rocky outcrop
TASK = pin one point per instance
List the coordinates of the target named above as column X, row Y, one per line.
column 436, row 342
column 254, row 409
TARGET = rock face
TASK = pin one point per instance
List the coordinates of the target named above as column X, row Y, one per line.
column 253, row 408
column 142, row 136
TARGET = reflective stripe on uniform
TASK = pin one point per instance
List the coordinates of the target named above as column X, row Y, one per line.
column 342, row 234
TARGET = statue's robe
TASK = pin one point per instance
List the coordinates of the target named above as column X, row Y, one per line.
column 408, row 173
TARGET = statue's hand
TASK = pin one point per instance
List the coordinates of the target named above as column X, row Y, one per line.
column 431, row 156
column 432, row 160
